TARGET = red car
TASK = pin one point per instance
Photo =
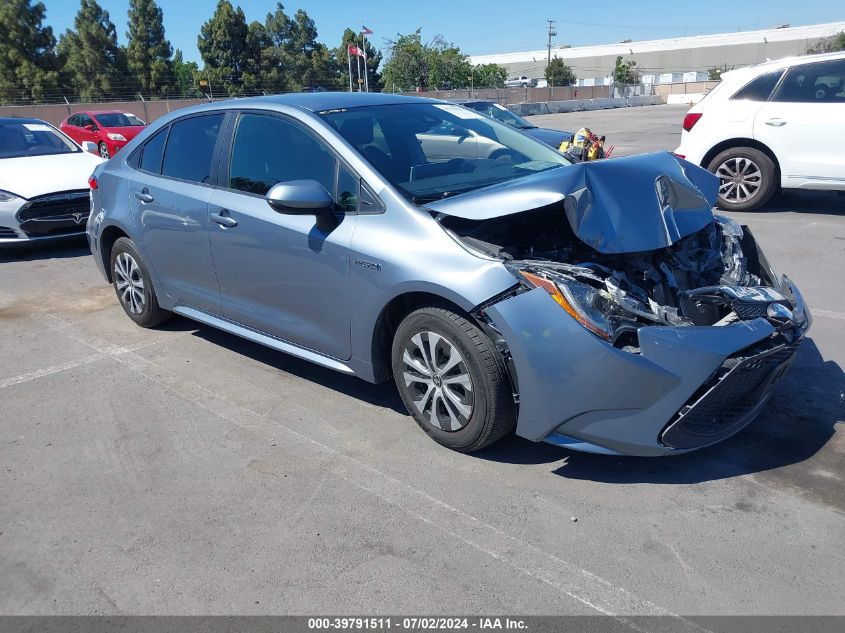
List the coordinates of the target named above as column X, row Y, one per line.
column 109, row 129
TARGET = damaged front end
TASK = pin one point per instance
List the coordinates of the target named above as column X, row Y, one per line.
column 679, row 326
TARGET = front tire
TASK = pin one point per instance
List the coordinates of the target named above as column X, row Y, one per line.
column 747, row 178
column 133, row 285
column 452, row 380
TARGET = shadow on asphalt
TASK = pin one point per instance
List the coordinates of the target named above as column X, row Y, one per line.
column 64, row 248
column 796, row 423
column 383, row 395
column 823, row 202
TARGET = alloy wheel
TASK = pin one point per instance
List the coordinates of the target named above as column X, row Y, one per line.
column 740, row 179
column 104, row 151
column 129, row 283
column 438, row 380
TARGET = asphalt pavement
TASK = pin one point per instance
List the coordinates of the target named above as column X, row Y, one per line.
column 186, row 471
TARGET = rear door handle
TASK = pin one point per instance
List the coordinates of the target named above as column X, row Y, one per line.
column 144, row 196
column 775, row 122
column 224, row 219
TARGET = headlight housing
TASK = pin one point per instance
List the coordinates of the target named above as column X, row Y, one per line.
column 7, row 196
column 116, row 137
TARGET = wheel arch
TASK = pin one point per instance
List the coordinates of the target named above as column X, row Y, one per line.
column 741, row 142
column 108, row 237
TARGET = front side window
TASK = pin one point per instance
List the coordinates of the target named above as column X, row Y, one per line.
column 429, row 151
column 822, row 82
column 268, row 150
column 84, row 120
column 190, row 148
column 18, row 139
column 760, row 88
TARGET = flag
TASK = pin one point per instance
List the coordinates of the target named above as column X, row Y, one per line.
column 366, row 31
column 354, row 50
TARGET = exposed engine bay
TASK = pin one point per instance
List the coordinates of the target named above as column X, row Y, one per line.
column 714, row 276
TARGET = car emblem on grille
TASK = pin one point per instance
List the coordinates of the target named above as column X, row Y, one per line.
column 77, row 217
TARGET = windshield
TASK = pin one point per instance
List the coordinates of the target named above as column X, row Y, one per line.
column 502, row 114
column 430, row 151
column 119, row 119
column 32, row 139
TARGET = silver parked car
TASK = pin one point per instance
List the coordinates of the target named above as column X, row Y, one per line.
column 598, row 306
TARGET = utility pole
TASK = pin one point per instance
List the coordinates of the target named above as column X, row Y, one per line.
column 552, row 33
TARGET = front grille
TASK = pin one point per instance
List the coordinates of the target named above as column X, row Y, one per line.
column 7, row 233
column 753, row 309
column 56, row 213
column 724, row 403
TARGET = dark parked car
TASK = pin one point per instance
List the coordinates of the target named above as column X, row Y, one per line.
column 553, row 138
column 599, row 306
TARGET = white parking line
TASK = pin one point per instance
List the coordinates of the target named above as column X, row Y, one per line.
column 579, row 584
column 828, row 314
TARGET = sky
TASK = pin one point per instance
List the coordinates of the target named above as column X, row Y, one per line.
column 483, row 27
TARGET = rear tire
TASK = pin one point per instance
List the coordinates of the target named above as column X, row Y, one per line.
column 104, row 150
column 747, row 178
column 452, row 380
column 133, row 285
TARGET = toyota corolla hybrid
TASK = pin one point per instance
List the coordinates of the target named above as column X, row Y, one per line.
column 599, row 306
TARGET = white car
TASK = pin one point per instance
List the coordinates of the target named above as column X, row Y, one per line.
column 44, row 182
column 775, row 125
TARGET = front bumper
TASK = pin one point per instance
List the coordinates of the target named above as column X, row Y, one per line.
column 60, row 216
column 688, row 387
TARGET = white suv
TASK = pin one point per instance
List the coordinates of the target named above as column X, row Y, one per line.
column 776, row 124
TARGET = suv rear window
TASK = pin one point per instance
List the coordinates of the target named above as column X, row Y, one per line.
column 760, row 88
column 190, row 147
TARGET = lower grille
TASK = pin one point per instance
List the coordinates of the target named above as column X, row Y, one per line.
column 7, row 233
column 723, row 404
column 753, row 309
column 55, row 214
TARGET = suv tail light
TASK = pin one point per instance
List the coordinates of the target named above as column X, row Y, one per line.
column 92, row 182
column 690, row 120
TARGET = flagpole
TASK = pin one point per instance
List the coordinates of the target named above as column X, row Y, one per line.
column 366, row 70
column 349, row 64
column 358, row 64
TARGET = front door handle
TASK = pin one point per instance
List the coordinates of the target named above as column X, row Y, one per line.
column 776, row 122
column 144, row 196
column 224, row 219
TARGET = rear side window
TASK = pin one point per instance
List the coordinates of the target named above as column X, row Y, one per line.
column 760, row 88
column 152, row 153
column 822, row 82
column 190, row 148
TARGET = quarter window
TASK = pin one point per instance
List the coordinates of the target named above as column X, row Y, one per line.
column 268, row 150
column 822, row 82
column 152, row 153
column 190, row 148
column 760, row 88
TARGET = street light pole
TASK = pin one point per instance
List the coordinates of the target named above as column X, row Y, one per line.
column 552, row 33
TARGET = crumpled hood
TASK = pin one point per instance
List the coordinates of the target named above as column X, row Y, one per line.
column 620, row 205
column 552, row 138
column 31, row 176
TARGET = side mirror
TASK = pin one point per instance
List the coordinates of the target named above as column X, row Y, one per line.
column 89, row 127
column 88, row 146
column 304, row 197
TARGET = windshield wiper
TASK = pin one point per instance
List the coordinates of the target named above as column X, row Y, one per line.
column 431, row 197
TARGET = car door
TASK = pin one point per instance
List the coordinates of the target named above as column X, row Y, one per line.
column 280, row 274
column 804, row 125
column 169, row 195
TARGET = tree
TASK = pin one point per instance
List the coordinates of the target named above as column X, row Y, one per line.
column 447, row 67
column 148, row 52
column 412, row 64
column 714, row 74
column 185, row 76
column 489, row 76
column 311, row 60
column 828, row 44
column 222, row 45
column 559, row 74
column 625, row 72
column 93, row 63
column 27, row 53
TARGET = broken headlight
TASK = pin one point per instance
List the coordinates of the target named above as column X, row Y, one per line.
column 584, row 303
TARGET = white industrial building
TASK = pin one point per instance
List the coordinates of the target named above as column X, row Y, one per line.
column 678, row 59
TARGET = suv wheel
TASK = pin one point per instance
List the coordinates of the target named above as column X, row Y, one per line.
column 747, row 178
column 452, row 380
column 133, row 285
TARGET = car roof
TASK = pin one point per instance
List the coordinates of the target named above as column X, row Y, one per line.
column 321, row 101
column 14, row 119
column 785, row 62
column 103, row 111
